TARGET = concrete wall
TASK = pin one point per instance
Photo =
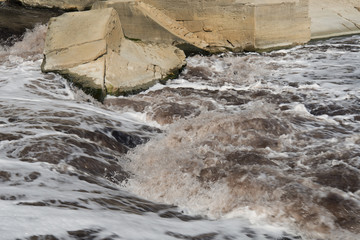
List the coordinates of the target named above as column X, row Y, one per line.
column 331, row 18
column 280, row 24
column 242, row 24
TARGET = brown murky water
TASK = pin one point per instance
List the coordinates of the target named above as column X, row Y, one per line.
column 240, row 146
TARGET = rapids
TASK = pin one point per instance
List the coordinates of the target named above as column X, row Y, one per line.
column 239, row 146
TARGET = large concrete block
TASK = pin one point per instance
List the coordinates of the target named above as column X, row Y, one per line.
column 143, row 22
column 89, row 49
column 331, row 18
column 78, row 28
column 279, row 24
column 242, row 24
column 139, row 65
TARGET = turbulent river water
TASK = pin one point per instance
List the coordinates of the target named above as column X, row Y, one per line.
column 239, row 146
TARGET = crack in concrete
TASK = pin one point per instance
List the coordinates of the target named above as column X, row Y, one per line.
column 346, row 27
column 230, row 43
column 349, row 20
column 71, row 46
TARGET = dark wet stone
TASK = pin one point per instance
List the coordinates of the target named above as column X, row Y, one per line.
column 95, row 180
column 165, row 113
column 357, row 118
column 32, row 154
column 340, row 177
column 346, row 211
column 112, row 172
column 95, row 136
column 114, row 204
column 11, row 198
column 84, row 234
column 149, row 129
column 8, row 137
column 116, row 175
column 60, row 114
column 132, row 205
column 269, row 237
column 276, row 54
column 103, row 163
column 249, row 233
column 14, row 20
column 231, row 98
column 256, row 140
column 13, row 119
column 296, row 98
column 260, row 93
column 189, row 97
column 198, row 72
column 296, row 192
column 174, row 214
column 68, row 204
column 55, row 203
column 248, row 158
column 270, row 126
column 205, row 236
column 128, row 139
column 294, row 84
column 5, row 176
column 332, row 109
column 42, row 237
column 211, row 174
column 123, row 103
column 64, row 122
column 35, row 204
column 32, row 176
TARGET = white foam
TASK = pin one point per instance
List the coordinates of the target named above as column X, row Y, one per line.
column 300, row 108
column 167, row 168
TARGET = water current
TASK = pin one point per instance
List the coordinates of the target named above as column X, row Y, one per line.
column 239, row 146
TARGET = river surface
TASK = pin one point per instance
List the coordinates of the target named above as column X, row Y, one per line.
column 239, row 146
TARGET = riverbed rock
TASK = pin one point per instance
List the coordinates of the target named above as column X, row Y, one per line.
column 331, row 18
column 89, row 48
column 63, row 4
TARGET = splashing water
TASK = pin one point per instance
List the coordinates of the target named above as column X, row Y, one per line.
column 240, row 146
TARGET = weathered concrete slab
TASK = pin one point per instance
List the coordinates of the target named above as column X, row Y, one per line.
column 64, row 31
column 242, row 24
column 75, row 55
column 281, row 23
column 331, row 18
column 89, row 48
column 139, row 65
column 143, row 22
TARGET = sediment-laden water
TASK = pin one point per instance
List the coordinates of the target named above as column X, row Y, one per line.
column 239, row 146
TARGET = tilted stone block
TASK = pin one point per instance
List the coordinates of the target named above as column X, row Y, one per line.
column 89, row 48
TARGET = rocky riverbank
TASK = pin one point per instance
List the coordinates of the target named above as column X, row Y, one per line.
column 141, row 42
